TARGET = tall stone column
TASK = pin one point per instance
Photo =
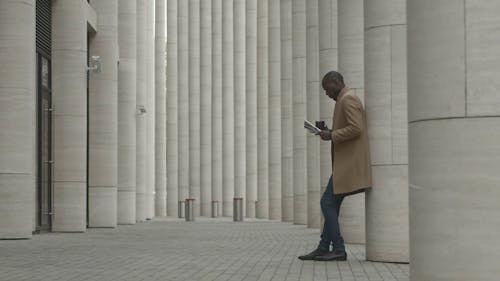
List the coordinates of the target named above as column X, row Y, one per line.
column 385, row 72
column 299, row 52
column 194, row 103
column 206, row 107
column 160, row 110
column 142, row 111
column 127, row 75
column 172, row 111
column 351, row 65
column 17, row 112
column 150, row 84
column 183, row 97
column 328, row 58
column 239, row 101
column 227, row 108
column 103, row 118
column 274, row 89
column 454, row 132
column 313, row 114
column 286, row 111
column 217, row 103
column 262, row 111
column 69, row 94
column 251, row 107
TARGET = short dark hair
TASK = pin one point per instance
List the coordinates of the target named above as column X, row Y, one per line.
column 332, row 76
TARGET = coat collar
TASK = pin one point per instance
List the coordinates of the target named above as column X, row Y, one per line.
column 342, row 93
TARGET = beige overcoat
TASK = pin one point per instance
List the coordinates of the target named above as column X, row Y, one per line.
column 350, row 149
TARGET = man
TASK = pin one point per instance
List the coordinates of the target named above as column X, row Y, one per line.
column 351, row 164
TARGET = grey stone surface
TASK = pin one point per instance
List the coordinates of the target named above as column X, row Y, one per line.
column 239, row 100
column 160, row 109
column 171, row 249
column 217, row 102
column 127, row 83
column 206, row 107
column 172, row 110
column 299, row 66
column 103, row 118
column 275, row 184
column 262, row 109
column 17, row 115
column 228, row 112
column 251, row 107
column 313, row 114
column 141, row 118
column 286, row 112
column 194, row 104
column 69, row 93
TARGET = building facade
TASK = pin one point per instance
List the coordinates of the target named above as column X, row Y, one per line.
column 116, row 111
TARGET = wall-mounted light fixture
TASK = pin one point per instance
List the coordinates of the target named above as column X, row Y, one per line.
column 95, row 64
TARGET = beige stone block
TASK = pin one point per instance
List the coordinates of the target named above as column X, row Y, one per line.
column 102, row 206
column 16, row 201
column 379, row 98
column 387, row 226
column 70, row 148
column 436, row 89
column 483, row 58
column 352, row 219
column 454, row 199
column 126, row 207
column 384, row 13
column 69, row 206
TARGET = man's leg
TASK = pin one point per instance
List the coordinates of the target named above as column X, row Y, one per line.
column 337, row 239
column 327, row 206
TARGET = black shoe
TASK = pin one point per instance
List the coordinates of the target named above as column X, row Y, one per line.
column 312, row 255
column 332, row 256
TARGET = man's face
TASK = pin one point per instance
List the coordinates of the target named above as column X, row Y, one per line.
column 332, row 88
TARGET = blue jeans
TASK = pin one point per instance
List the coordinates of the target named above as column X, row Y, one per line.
column 330, row 206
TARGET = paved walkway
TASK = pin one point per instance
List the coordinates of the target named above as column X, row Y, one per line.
column 171, row 249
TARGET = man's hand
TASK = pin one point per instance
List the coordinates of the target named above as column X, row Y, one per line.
column 325, row 135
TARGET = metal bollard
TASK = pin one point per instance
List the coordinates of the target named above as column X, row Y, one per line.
column 238, row 209
column 180, row 209
column 190, row 209
column 215, row 209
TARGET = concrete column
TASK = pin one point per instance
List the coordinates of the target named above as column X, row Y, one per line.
column 183, row 97
column 206, row 107
column 17, row 112
column 350, row 60
column 217, row 102
column 274, row 110
column 286, row 111
column 454, row 132
column 385, row 72
column 69, row 93
column 103, row 118
column 160, row 110
column 227, row 108
column 239, row 101
column 127, row 44
column 194, row 104
column 313, row 114
column 150, row 84
column 251, row 107
column 262, row 110
column 172, row 110
column 142, row 111
column 328, row 58
column 299, row 52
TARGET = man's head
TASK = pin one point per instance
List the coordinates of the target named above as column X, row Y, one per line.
column 333, row 83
